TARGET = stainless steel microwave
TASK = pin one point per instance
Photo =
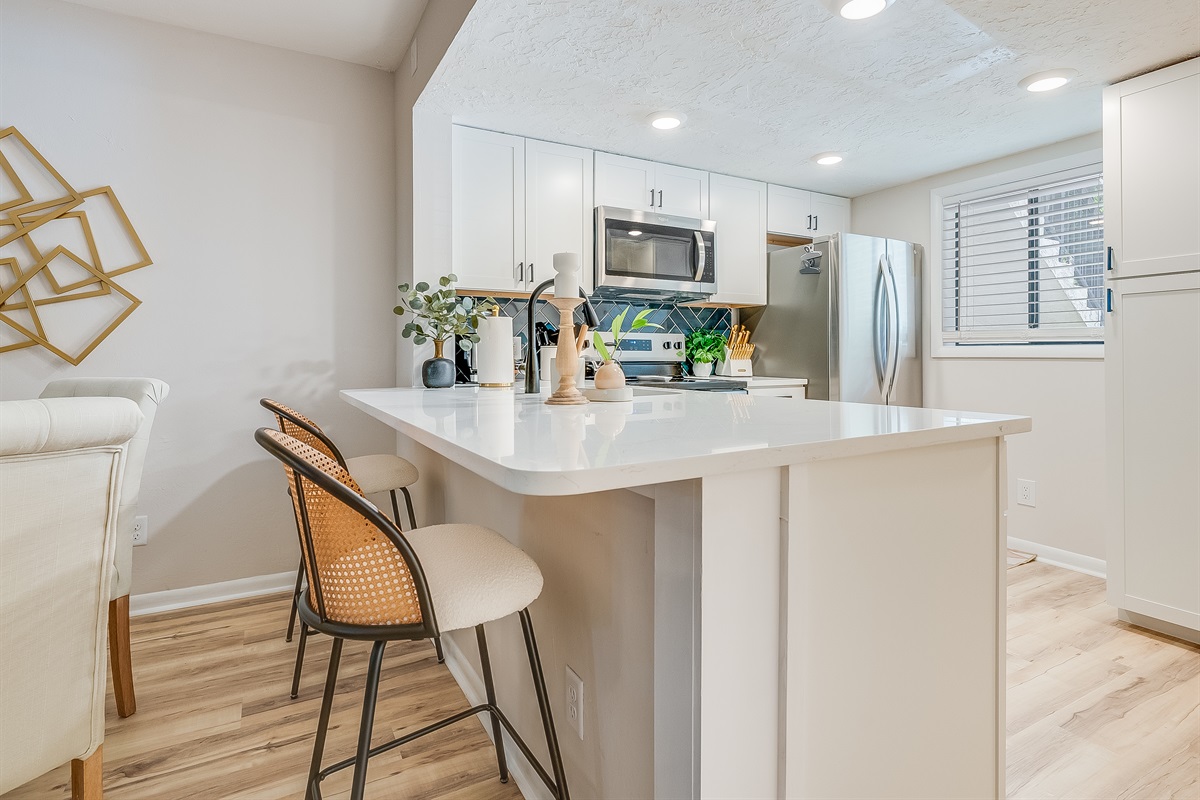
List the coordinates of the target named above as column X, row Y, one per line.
column 641, row 255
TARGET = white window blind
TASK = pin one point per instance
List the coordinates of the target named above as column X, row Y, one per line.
column 1024, row 263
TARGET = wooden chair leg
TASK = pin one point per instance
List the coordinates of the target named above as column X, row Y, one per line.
column 118, row 655
column 87, row 776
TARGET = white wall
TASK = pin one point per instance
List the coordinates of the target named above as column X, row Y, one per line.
column 1065, row 452
column 263, row 185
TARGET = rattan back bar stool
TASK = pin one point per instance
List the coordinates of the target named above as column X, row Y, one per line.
column 368, row 580
column 373, row 473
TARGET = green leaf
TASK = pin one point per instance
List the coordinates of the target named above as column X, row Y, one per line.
column 417, row 303
column 598, row 343
column 465, row 344
column 420, row 339
column 401, row 310
column 444, row 280
column 618, row 321
column 406, row 333
column 468, row 303
column 403, row 287
column 452, row 278
column 422, row 287
column 645, row 312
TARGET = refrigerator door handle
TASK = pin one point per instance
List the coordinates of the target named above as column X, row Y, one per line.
column 878, row 343
column 893, row 355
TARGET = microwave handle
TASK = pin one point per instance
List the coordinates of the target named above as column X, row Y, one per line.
column 701, row 256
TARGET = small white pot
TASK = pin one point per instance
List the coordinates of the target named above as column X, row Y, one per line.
column 702, row 369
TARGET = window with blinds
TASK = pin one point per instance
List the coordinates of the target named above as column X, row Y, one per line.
column 1024, row 263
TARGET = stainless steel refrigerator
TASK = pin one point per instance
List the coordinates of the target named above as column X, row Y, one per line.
column 844, row 312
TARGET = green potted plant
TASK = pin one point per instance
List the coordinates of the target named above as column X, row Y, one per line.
column 610, row 375
column 703, row 347
column 438, row 316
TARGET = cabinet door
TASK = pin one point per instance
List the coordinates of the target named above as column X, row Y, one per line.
column 1152, row 366
column 624, row 182
column 1152, row 171
column 739, row 207
column 789, row 211
column 558, row 209
column 680, row 191
column 830, row 214
column 488, row 209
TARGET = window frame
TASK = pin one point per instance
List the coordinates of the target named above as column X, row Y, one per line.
column 983, row 186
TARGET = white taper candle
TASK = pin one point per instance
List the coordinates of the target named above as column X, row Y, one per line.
column 566, row 275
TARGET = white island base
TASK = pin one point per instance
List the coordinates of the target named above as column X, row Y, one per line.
column 764, row 597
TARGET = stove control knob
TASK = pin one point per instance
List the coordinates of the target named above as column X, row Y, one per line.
column 666, row 345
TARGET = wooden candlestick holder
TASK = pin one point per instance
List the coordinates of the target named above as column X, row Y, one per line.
column 567, row 393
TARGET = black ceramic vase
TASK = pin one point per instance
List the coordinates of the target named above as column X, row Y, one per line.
column 437, row 372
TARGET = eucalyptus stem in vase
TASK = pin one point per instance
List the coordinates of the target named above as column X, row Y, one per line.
column 438, row 315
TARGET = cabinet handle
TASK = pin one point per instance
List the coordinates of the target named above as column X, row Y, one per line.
column 1110, row 259
column 660, row 198
column 652, row 198
column 816, row 223
column 809, row 226
column 1109, row 300
column 519, row 272
column 531, row 272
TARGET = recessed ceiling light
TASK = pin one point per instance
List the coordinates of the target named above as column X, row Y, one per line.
column 666, row 120
column 860, row 9
column 828, row 159
column 1048, row 80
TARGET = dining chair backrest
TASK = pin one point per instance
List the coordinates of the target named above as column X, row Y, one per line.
column 361, row 569
column 300, row 427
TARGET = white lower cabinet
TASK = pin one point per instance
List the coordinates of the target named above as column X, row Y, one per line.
column 1152, row 366
column 739, row 207
column 488, row 217
column 558, row 209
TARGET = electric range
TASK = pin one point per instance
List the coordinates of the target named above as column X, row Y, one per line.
column 657, row 359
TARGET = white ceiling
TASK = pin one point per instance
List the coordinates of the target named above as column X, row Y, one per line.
column 927, row 86
column 374, row 33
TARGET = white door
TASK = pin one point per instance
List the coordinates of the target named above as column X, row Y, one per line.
column 558, row 209
column 680, row 191
column 829, row 214
column 739, row 207
column 488, row 210
column 624, row 182
column 1152, row 171
column 789, row 211
column 1152, row 365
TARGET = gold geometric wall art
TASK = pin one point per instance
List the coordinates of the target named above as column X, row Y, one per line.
column 60, row 249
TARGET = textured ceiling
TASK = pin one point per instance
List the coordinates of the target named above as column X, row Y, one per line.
column 374, row 33
column 926, row 86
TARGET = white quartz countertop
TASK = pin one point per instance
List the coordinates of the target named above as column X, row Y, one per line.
column 520, row 443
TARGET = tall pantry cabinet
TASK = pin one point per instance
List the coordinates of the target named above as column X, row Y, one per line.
column 1152, row 347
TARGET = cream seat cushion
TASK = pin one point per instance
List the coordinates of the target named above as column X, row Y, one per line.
column 381, row 473
column 475, row 575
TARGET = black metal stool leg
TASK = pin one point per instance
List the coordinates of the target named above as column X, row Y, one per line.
column 412, row 518
column 299, row 661
column 335, row 656
column 359, row 785
column 486, row 663
column 295, row 600
column 539, row 685
column 437, row 645
column 396, row 511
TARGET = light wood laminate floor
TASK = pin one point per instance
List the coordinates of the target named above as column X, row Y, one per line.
column 1097, row 710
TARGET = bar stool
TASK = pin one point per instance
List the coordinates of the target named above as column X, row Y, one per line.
column 369, row 581
column 378, row 473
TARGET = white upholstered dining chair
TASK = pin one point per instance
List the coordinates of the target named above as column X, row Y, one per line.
column 61, row 466
column 148, row 393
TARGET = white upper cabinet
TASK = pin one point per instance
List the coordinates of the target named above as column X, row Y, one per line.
column 1152, row 172
column 488, row 209
column 558, row 209
column 830, row 214
column 739, row 207
column 796, row 212
column 634, row 183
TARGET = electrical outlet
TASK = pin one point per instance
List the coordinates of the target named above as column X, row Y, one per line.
column 141, row 531
column 574, row 686
column 1026, row 492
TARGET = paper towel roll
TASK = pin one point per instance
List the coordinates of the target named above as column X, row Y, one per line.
column 494, row 353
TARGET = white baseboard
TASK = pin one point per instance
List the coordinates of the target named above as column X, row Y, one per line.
column 471, row 683
column 1061, row 558
column 172, row 599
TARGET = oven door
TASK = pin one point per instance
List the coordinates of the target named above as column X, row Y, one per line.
column 657, row 256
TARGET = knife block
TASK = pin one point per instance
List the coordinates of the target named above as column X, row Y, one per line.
column 734, row 367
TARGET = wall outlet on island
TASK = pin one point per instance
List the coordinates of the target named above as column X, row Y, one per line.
column 574, row 687
column 141, row 531
column 1026, row 492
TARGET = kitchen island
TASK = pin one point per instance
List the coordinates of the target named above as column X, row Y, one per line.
column 764, row 597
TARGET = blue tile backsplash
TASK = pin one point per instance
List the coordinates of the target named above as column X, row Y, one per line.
column 674, row 319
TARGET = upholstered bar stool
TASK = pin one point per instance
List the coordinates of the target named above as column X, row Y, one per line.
column 369, row 581
column 377, row 473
